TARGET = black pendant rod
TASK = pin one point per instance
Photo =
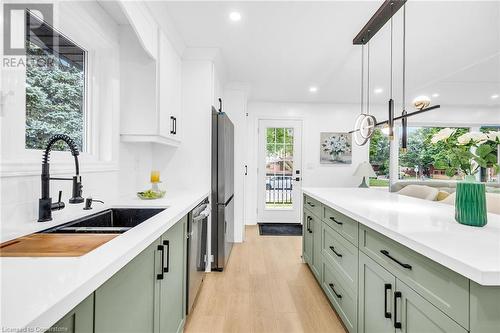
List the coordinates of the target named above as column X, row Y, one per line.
column 403, row 116
column 378, row 20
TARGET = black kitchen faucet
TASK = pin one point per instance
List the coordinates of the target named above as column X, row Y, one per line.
column 45, row 205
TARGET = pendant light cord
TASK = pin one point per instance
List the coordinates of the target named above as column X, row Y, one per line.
column 404, row 57
column 362, row 76
column 391, row 52
column 368, row 81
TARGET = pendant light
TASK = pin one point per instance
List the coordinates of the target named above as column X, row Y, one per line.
column 391, row 100
column 404, row 120
column 365, row 122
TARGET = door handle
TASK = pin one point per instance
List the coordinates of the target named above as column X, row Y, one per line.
column 387, row 287
column 336, row 253
column 162, row 250
column 332, row 286
column 334, row 220
column 166, row 268
column 397, row 324
column 172, row 128
column 246, row 170
column 386, row 253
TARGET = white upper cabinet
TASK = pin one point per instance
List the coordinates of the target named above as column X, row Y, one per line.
column 169, row 88
column 150, row 86
column 143, row 24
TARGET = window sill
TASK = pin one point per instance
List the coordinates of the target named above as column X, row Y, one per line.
column 18, row 168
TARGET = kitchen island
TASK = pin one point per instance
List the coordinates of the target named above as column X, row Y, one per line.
column 37, row 292
column 389, row 262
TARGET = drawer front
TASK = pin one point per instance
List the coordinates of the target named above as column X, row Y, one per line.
column 341, row 254
column 314, row 206
column 444, row 288
column 343, row 299
column 344, row 225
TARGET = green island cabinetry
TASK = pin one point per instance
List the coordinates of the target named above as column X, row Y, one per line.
column 378, row 285
column 146, row 295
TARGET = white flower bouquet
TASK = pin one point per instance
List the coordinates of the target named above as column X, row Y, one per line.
column 465, row 153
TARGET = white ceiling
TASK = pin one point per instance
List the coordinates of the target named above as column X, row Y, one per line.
column 282, row 48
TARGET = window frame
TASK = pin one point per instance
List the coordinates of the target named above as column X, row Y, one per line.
column 99, row 39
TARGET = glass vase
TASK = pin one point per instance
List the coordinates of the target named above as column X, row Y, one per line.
column 470, row 203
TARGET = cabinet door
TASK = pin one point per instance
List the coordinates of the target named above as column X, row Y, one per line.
column 127, row 302
column 376, row 287
column 317, row 261
column 78, row 320
column 307, row 243
column 417, row 315
column 172, row 296
column 169, row 88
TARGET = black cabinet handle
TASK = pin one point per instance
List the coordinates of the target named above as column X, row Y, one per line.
column 387, row 287
column 175, row 125
column 162, row 250
column 386, row 253
column 310, row 204
column 167, row 244
column 172, row 128
column 334, row 220
column 246, row 170
column 332, row 286
column 309, row 224
column 397, row 324
column 333, row 250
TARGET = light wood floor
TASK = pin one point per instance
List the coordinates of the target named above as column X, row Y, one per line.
column 265, row 288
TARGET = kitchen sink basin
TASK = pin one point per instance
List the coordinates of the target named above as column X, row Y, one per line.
column 114, row 220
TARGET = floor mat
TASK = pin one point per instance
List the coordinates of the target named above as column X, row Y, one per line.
column 280, row 229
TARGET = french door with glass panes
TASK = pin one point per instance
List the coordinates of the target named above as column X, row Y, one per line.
column 279, row 175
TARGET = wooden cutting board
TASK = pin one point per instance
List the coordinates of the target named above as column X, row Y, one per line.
column 53, row 245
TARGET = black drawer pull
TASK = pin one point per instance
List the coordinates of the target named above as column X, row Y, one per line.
column 335, row 292
column 310, row 204
column 161, row 249
column 167, row 244
column 334, row 220
column 387, row 287
column 397, row 324
column 333, row 250
column 386, row 253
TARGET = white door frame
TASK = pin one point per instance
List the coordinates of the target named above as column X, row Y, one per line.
column 276, row 215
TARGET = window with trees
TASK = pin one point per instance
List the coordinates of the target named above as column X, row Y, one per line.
column 55, row 86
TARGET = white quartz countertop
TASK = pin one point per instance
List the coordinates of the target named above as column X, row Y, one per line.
column 427, row 227
column 36, row 292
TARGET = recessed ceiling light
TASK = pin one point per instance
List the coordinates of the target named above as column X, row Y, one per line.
column 435, row 95
column 495, row 96
column 313, row 89
column 235, row 16
column 378, row 90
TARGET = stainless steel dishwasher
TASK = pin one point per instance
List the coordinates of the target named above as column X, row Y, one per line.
column 196, row 250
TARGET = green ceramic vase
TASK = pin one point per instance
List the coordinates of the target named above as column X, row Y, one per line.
column 470, row 203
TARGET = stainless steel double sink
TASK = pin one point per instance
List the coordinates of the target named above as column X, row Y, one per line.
column 113, row 220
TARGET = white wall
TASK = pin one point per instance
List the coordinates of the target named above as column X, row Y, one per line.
column 315, row 118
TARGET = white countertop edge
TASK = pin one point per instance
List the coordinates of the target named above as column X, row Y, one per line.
column 48, row 316
column 483, row 278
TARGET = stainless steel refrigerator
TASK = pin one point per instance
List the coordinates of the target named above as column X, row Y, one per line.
column 222, row 188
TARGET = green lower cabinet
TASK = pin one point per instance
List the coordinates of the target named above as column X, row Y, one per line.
column 78, row 320
column 485, row 308
column 128, row 301
column 417, row 315
column 376, row 287
column 307, row 239
column 148, row 294
column 317, row 262
column 172, row 304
